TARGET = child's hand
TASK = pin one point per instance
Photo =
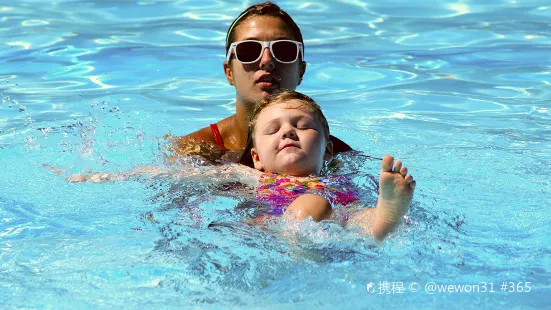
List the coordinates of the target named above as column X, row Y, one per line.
column 89, row 177
column 53, row 169
column 74, row 178
column 96, row 177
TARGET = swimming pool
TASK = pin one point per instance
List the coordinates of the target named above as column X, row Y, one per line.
column 458, row 90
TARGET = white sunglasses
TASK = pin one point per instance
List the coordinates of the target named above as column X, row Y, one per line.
column 250, row 51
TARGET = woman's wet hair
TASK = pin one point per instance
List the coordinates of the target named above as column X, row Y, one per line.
column 263, row 9
column 273, row 99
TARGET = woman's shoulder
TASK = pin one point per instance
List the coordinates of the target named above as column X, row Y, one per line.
column 200, row 142
column 230, row 134
column 203, row 139
column 205, row 133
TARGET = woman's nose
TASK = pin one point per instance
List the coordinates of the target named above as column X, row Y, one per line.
column 267, row 61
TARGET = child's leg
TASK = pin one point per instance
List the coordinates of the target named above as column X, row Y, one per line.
column 309, row 205
column 396, row 188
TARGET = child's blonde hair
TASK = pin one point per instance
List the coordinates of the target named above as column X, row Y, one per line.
column 283, row 96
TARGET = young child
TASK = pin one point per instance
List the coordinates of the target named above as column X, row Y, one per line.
column 290, row 142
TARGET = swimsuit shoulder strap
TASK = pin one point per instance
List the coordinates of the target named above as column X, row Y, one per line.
column 217, row 136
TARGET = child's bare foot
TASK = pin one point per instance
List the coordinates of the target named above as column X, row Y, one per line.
column 396, row 188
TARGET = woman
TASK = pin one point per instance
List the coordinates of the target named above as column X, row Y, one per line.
column 264, row 53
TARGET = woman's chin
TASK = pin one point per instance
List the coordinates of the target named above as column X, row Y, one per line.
column 265, row 92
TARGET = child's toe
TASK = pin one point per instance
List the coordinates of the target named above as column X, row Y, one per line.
column 386, row 164
column 397, row 166
column 409, row 180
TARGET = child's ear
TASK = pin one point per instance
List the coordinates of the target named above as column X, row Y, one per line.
column 256, row 160
column 328, row 156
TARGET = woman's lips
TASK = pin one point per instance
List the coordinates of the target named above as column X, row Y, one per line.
column 265, row 84
column 267, row 81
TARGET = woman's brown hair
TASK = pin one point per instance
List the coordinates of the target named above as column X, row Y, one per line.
column 263, row 9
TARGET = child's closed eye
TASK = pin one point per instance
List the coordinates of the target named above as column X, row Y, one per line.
column 270, row 130
column 306, row 124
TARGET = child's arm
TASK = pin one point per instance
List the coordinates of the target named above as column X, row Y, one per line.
column 207, row 174
column 98, row 177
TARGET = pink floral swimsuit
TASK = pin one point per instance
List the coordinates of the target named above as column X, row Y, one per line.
column 278, row 191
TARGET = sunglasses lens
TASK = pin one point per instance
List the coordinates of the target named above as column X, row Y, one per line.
column 285, row 51
column 248, row 51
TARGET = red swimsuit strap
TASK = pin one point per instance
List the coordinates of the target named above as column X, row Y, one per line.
column 217, row 136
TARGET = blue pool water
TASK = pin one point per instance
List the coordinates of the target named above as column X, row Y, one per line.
column 460, row 91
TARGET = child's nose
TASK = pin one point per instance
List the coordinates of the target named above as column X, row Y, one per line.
column 289, row 133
